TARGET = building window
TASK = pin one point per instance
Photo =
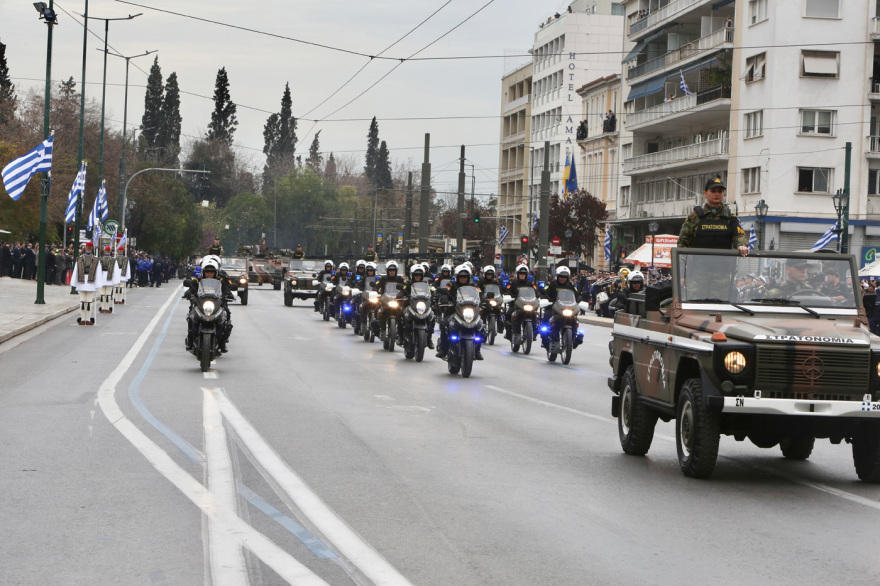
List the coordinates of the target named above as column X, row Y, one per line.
column 752, row 180
column 757, row 11
column 817, row 122
column 874, row 182
column 624, row 195
column 755, row 124
column 756, row 67
column 820, row 63
column 822, row 9
column 814, row 180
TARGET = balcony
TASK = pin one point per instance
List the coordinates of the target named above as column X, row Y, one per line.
column 518, row 103
column 512, row 173
column 639, row 24
column 692, row 153
column 875, row 28
column 514, row 138
column 874, row 89
column 703, row 101
column 873, row 147
column 683, row 53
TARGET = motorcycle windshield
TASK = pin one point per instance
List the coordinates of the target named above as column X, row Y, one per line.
column 444, row 282
column 326, row 277
column 420, row 291
column 566, row 298
column 368, row 283
column 468, row 296
column 526, row 295
column 210, row 288
column 494, row 290
column 391, row 290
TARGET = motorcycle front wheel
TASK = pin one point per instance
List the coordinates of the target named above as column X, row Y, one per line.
column 326, row 310
column 453, row 360
column 492, row 331
column 421, row 341
column 467, row 357
column 567, row 346
column 206, row 348
column 528, row 333
column 392, row 333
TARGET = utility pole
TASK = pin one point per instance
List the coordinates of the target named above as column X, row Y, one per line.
column 844, row 224
column 82, row 121
column 544, row 219
column 51, row 20
column 459, row 221
column 424, row 228
column 407, row 226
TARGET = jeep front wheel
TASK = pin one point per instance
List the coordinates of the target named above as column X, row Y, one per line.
column 636, row 423
column 866, row 454
column 797, row 448
column 697, row 432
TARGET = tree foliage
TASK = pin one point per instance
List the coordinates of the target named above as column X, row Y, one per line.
column 221, row 129
column 168, row 137
column 164, row 216
column 581, row 213
column 315, row 160
column 330, row 170
column 279, row 135
column 248, row 217
column 7, row 90
column 383, row 178
column 151, row 119
column 372, row 151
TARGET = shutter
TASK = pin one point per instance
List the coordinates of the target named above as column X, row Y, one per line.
column 793, row 241
column 872, row 242
column 820, row 64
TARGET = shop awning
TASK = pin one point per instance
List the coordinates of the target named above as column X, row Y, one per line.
column 646, row 88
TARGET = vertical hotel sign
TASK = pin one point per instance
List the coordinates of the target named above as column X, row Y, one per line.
column 569, row 121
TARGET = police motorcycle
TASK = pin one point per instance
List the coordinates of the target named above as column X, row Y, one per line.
column 464, row 330
column 370, row 305
column 341, row 307
column 417, row 318
column 207, row 317
column 560, row 334
column 391, row 308
column 491, row 310
column 325, row 296
column 523, row 319
column 359, row 282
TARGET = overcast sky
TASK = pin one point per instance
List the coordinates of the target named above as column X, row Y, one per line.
column 259, row 66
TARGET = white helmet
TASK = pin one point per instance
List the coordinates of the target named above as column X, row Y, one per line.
column 360, row 263
column 343, row 265
column 211, row 263
column 416, row 268
column 213, row 258
column 488, row 269
column 446, row 268
column 635, row 276
column 563, row 272
column 390, row 265
column 328, row 262
column 427, row 267
column 371, row 265
column 522, row 269
column 464, row 268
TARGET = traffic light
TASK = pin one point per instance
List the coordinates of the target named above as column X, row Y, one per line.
column 524, row 243
column 476, row 217
column 69, row 231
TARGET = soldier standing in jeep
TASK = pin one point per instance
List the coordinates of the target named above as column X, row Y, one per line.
column 713, row 225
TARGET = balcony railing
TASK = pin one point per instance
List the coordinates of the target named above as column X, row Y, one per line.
column 691, row 152
column 677, row 105
column 874, row 144
column 876, row 29
column 874, row 85
column 701, row 45
column 638, row 23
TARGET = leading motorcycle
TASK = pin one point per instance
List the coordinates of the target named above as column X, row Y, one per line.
column 207, row 319
column 491, row 311
column 561, row 335
column 417, row 319
column 523, row 318
column 464, row 326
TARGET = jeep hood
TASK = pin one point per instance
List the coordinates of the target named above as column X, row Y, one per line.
column 756, row 328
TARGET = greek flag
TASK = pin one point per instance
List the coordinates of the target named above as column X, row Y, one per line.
column 79, row 185
column 17, row 173
column 753, row 239
column 827, row 238
column 608, row 243
column 683, row 85
column 535, row 223
column 99, row 210
column 503, row 233
column 122, row 240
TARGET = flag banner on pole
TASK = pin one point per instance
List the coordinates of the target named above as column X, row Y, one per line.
column 103, row 210
column 683, row 85
column 565, row 173
column 753, row 239
column 18, row 172
column 571, row 184
column 122, row 240
column 503, row 233
column 827, row 238
column 608, row 243
column 535, row 224
column 79, row 185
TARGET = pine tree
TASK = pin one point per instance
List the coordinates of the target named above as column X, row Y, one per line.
column 152, row 110
column 279, row 135
column 8, row 101
column 223, row 120
column 383, row 168
column 330, row 170
column 372, row 151
column 168, row 138
column 315, row 160
column 67, row 89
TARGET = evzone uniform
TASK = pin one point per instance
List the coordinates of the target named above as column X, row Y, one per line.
column 108, row 270
column 123, row 274
column 87, row 278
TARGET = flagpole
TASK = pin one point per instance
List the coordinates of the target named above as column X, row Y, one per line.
column 47, row 175
column 77, row 216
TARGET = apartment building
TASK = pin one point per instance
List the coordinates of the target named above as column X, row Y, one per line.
column 513, row 175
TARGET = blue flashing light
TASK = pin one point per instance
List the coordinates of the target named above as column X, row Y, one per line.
column 541, row 284
column 346, row 309
column 580, row 334
column 453, row 338
column 476, row 338
column 545, row 329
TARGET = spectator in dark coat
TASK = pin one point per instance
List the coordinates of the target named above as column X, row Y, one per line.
column 29, row 262
column 16, row 261
column 50, row 267
column 5, row 260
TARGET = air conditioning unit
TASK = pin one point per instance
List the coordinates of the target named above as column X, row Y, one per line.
column 642, row 214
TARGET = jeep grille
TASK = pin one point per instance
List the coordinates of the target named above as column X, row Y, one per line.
column 814, row 371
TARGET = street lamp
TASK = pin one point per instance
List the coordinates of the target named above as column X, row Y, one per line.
column 653, row 226
column 761, row 214
column 841, row 206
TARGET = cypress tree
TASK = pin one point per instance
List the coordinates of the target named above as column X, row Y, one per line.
column 383, row 168
column 67, row 88
column 151, row 119
column 330, row 170
column 223, row 120
column 168, row 138
column 279, row 135
column 7, row 90
column 315, row 159
column 372, row 151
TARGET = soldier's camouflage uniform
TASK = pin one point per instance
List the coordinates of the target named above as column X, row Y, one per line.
column 719, row 228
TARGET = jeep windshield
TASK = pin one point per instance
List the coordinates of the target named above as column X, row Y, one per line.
column 305, row 266
column 233, row 264
column 796, row 281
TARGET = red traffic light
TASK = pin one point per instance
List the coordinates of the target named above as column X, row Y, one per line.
column 525, row 239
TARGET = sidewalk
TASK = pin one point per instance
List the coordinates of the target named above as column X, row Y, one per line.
column 19, row 313
column 593, row 320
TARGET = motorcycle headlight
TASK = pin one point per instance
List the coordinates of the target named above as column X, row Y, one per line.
column 393, row 303
column 493, row 303
column 468, row 314
column 567, row 313
column 528, row 307
column 421, row 307
column 374, row 300
column 208, row 307
column 735, row 362
column 346, row 292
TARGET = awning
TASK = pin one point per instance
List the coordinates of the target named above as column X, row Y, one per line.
column 646, row 88
column 644, row 42
column 821, row 64
column 642, row 256
column 702, row 65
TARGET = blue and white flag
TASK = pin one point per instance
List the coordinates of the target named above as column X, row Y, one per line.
column 17, row 173
column 535, row 223
column 122, row 240
column 79, row 185
column 503, row 233
column 99, row 210
column 827, row 238
column 608, row 243
column 683, row 85
column 753, row 239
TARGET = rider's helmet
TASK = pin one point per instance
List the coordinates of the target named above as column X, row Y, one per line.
column 213, row 257
column 360, row 263
column 447, row 269
column 563, row 272
column 370, row 266
column 209, row 263
column 391, row 266
column 343, row 266
column 635, row 277
column 328, row 265
column 463, row 274
column 417, row 270
column 522, row 270
column 488, row 269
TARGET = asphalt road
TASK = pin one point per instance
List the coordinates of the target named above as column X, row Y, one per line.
column 309, row 456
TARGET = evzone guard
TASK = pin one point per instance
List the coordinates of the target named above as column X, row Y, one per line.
column 87, row 278
column 123, row 276
column 108, row 270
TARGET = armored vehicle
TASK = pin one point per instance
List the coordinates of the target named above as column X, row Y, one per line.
column 782, row 361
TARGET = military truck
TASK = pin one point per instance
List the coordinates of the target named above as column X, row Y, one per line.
column 782, row 362
column 265, row 266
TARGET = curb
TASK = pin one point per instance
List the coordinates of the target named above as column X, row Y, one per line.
column 38, row 322
column 598, row 321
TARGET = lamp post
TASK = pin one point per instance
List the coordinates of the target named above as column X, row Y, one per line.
column 841, row 206
column 47, row 13
column 653, row 226
column 761, row 214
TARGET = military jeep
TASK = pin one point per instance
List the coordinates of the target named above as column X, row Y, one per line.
column 298, row 280
column 237, row 269
column 782, row 361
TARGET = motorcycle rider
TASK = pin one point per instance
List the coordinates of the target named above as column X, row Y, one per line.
column 390, row 276
column 210, row 266
column 550, row 291
column 341, row 276
column 463, row 278
column 520, row 280
column 360, row 268
column 417, row 275
column 635, row 282
column 445, row 273
column 328, row 270
column 488, row 278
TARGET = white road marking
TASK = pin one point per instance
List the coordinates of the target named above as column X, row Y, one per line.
column 407, row 408
column 346, row 540
column 551, row 405
column 227, row 561
column 273, row 556
column 210, row 374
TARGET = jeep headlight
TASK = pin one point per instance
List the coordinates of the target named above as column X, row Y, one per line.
column 735, row 362
column 468, row 314
column 528, row 307
column 208, row 307
column 421, row 307
column 569, row 313
column 242, row 280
